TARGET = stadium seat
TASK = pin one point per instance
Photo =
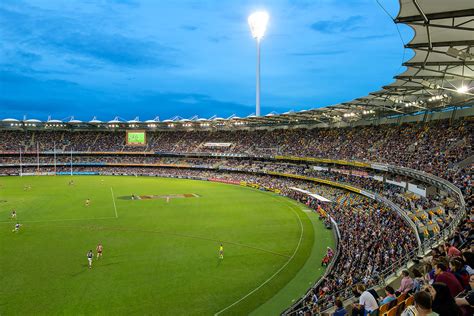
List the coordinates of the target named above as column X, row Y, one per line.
column 400, row 307
column 409, row 301
column 401, row 298
column 384, row 308
column 392, row 311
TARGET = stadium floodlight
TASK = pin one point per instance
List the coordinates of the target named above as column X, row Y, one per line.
column 258, row 24
column 462, row 89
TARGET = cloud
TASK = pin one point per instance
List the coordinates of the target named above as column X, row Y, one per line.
column 130, row 3
column 218, row 39
column 337, row 26
column 80, row 38
column 370, row 37
column 186, row 105
column 189, row 27
column 321, row 53
column 111, row 48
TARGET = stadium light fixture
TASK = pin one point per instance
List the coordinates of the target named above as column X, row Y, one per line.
column 258, row 24
column 462, row 89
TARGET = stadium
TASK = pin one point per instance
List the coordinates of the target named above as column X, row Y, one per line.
column 306, row 212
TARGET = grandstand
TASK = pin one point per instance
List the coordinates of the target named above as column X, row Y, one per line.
column 390, row 173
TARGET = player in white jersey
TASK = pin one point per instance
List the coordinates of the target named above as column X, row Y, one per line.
column 17, row 228
column 90, row 255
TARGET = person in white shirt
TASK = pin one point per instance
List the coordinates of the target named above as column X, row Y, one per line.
column 367, row 302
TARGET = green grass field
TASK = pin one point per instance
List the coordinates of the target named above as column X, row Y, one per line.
column 160, row 257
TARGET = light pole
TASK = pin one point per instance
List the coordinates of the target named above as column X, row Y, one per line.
column 258, row 24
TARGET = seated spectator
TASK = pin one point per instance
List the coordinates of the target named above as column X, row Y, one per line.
column 422, row 305
column 466, row 302
column 457, row 268
column 468, row 258
column 406, row 284
column 443, row 301
column 389, row 295
column 367, row 303
column 451, row 251
column 443, row 276
column 340, row 310
column 418, row 280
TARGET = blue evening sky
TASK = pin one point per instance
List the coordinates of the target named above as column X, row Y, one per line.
column 150, row 58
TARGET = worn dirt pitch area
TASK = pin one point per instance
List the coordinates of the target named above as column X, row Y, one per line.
column 165, row 196
column 159, row 257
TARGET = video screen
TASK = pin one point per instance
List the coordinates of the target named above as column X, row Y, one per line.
column 136, row 138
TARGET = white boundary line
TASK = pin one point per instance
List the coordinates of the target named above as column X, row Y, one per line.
column 58, row 220
column 270, row 278
column 113, row 200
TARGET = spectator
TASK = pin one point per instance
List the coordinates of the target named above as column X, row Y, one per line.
column 406, row 284
column 422, row 305
column 443, row 276
column 451, row 251
column 457, row 267
column 466, row 302
column 340, row 310
column 367, row 303
column 389, row 295
column 418, row 280
column 443, row 301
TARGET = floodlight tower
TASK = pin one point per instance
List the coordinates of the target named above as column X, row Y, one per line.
column 258, row 24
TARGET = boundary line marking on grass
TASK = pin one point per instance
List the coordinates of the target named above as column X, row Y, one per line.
column 271, row 277
column 113, row 200
column 59, row 220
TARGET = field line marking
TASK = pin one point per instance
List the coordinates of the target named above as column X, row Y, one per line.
column 59, row 220
column 271, row 277
column 113, row 200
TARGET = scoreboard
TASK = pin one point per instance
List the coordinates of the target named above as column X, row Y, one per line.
column 136, row 138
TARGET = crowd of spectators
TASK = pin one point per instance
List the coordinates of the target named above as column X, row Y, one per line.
column 373, row 242
column 433, row 147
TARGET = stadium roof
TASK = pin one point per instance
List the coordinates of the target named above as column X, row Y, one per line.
column 440, row 74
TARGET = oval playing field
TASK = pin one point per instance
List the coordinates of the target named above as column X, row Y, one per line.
column 160, row 249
